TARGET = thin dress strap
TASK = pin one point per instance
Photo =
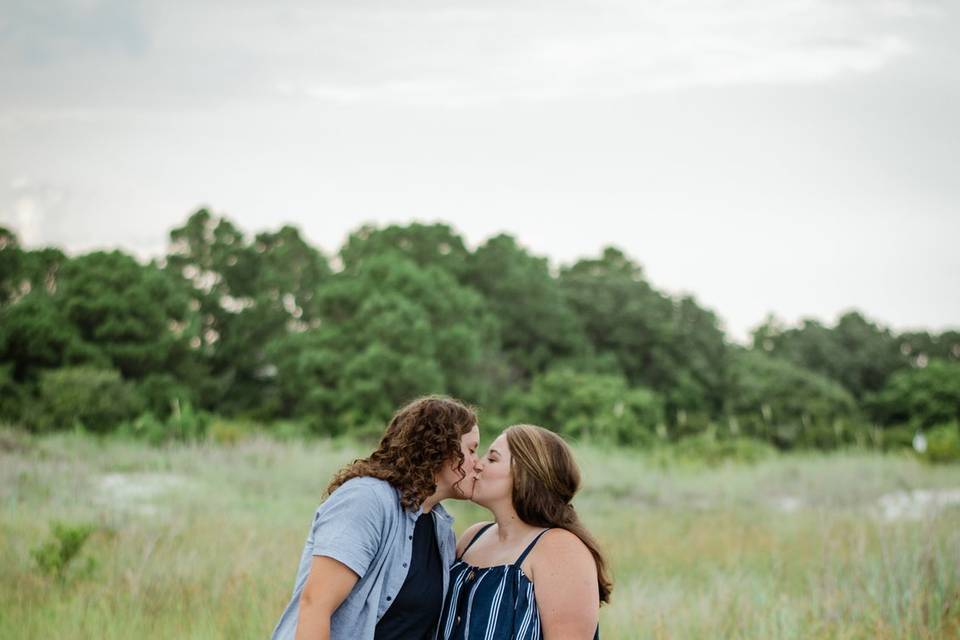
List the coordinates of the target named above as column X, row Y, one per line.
column 479, row 533
column 529, row 548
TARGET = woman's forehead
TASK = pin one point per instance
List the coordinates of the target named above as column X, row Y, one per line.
column 472, row 436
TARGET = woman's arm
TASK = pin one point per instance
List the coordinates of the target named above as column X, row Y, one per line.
column 346, row 537
column 328, row 585
column 565, row 586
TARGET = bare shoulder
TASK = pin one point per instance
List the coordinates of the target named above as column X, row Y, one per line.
column 468, row 535
column 561, row 552
column 565, row 576
column 561, row 541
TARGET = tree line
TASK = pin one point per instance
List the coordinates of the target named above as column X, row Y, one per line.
column 267, row 327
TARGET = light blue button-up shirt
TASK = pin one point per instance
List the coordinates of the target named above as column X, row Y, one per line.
column 363, row 525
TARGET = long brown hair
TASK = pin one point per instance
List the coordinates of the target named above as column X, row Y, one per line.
column 545, row 479
column 420, row 439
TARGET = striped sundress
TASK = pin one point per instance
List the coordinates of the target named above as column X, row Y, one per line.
column 491, row 603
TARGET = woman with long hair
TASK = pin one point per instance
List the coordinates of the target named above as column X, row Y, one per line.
column 376, row 560
column 535, row 572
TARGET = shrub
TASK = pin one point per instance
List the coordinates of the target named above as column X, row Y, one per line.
column 777, row 401
column 185, row 424
column 923, row 397
column 55, row 556
column 161, row 392
column 146, row 427
column 601, row 407
column 943, row 443
column 289, row 430
column 97, row 399
column 706, row 448
column 228, row 432
column 13, row 396
column 897, row 437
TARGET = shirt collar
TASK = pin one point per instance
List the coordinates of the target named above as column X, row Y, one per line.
column 438, row 509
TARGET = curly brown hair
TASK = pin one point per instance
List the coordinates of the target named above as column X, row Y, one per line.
column 420, row 439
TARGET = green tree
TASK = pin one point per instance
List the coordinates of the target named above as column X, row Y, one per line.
column 537, row 326
column 919, row 347
column 97, row 399
column 672, row 346
column 36, row 334
column 23, row 271
column 775, row 400
column 289, row 275
column 389, row 330
column 919, row 397
column 134, row 314
column 856, row 352
column 10, row 264
column 426, row 245
column 701, row 359
column 245, row 295
column 596, row 406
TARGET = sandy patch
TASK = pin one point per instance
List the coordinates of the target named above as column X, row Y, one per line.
column 916, row 505
column 787, row 504
column 136, row 492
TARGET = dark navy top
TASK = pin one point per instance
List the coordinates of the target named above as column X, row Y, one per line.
column 491, row 603
column 414, row 612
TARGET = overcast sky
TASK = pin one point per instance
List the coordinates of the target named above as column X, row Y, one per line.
column 800, row 157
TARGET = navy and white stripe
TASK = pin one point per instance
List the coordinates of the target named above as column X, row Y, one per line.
column 491, row 603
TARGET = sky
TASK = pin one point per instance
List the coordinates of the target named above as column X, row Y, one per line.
column 793, row 157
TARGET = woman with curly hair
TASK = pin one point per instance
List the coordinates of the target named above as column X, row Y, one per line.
column 536, row 572
column 377, row 557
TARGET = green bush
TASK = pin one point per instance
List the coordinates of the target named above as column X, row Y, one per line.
column 188, row 424
column 162, row 392
column 13, row 396
column 57, row 554
column 706, row 448
column 289, row 430
column 791, row 407
column 943, row 443
column 599, row 407
column 96, row 399
column 146, row 427
column 185, row 424
column 228, row 432
column 922, row 397
column 897, row 437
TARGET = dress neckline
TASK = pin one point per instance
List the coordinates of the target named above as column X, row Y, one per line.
column 475, row 569
column 492, row 566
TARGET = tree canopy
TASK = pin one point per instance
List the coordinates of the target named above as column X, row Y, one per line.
column 269, row 327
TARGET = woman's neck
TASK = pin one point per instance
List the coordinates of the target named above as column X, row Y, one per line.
column 509, row 525
column 433, row 500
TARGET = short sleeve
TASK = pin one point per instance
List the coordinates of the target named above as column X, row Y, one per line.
column 348, row 526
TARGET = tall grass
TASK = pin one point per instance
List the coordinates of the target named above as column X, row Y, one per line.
column 202, row 541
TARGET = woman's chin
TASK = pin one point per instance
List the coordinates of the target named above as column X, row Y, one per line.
column 465, row 492
column 477, row 498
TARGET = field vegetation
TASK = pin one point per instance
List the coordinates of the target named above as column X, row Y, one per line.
column 202, row 540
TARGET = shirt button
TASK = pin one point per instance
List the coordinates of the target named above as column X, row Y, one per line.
column 404, row 565
column 409, row 537
column 458, row 619
column 389, row 598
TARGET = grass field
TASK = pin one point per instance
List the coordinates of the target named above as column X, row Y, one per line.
column 203, row 541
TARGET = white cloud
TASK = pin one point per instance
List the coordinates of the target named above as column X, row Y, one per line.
column 206, row 54
column 608, row 49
